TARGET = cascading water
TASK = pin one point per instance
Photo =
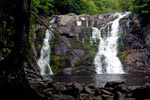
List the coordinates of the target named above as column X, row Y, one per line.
column 44, row 59
column 106, row 60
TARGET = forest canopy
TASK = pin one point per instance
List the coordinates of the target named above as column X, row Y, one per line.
column 142, row 8
column 50, row 7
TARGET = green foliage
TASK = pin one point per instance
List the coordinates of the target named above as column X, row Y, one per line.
column 106, row 6
column 88, row 6
column 109, row 6
column 49, row 7
column 40, row 34
column 35, row 5
column 142, row 8
column 64, row 6
column 124, row 4
column 44, row 7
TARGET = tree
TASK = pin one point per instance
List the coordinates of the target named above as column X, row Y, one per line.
column 142, row 8
column 43, row 7
column 64, row 6
column 88, row 6
column 13, row 81
column 124, row 4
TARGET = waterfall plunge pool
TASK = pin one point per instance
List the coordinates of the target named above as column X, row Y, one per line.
column 101, row 79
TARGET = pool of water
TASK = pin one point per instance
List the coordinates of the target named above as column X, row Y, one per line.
column 101, row 79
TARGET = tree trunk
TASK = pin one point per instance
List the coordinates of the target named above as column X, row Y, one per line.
column 13, row 81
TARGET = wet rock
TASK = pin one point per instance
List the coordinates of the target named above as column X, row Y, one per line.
column 107, row 97
column 97, row 92
column 147, row 85
column 88, row 97
column 130, row 99
column 71, row 90
column 85, row 96
column 88, row 90
column 78, row 86
column 113, row 84
column 98, row 98
column 107, row 93
column 122, row 88
column 91, row 86
column 62, row 97
column 133, row 87
column 119, row 96
column 141, row 93
column 67, row 71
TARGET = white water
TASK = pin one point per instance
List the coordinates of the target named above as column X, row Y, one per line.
column 106, row 60
column 44, row 60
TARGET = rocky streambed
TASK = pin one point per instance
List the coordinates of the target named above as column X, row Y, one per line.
column 111, row 90
column 134, row 86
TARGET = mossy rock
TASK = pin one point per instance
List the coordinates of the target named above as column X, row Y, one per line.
column 83, row 70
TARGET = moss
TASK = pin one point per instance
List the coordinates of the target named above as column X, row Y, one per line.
column 123, row 54
column 90, row 52
column 40, row 33
column 87, row 31
column 83, row 70
column 58, row 63
column 123, row 46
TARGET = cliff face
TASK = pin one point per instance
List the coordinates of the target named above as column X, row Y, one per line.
column 73, row 45
column 135, row 54
column 73, row 50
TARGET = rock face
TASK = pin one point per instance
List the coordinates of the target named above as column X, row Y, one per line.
column 135, row 54
column 72, row 45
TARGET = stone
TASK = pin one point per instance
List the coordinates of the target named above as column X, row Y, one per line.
column 88, row 90
column 88, row 97
column 129, row 98
column 78, row 86
column 119, row 96
column 133, row 87
column 72, row 91
column 91, row 86
column 62, row 97
column 97, row 92
column 141, row 93
column 107, row 97
column 122, row 88
column 98, row 98
column 113, row 84
column 103, row 91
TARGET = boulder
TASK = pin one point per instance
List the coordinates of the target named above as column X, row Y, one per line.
column 62, row 97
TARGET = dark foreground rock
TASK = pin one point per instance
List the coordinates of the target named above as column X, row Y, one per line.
column 76, row 91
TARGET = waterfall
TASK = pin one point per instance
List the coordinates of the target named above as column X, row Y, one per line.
column 106, row 60
column 44, row 60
